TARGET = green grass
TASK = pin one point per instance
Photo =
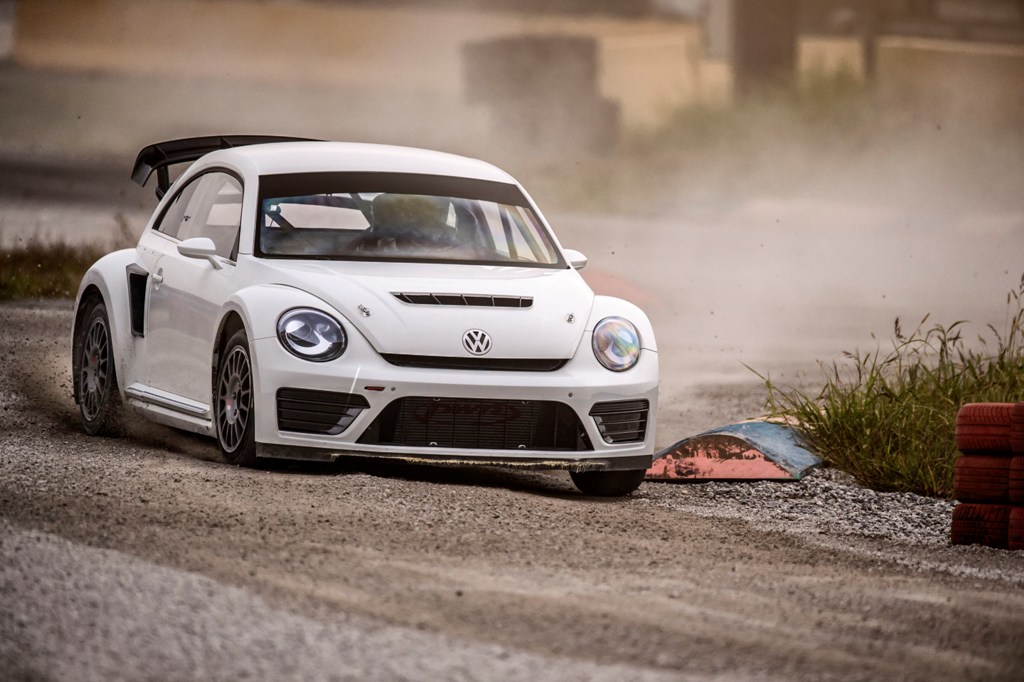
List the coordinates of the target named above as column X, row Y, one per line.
column 41, row 269
column 44, row 270
column 889, row 418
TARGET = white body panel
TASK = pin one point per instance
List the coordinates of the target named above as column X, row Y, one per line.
column 166, row 371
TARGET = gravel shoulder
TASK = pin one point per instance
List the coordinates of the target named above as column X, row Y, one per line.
column 145, row 558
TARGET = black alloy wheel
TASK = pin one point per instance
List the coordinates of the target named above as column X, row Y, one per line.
column 99, row 402
column 233, row 402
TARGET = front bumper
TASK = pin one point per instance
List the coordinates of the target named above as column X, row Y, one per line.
column 579, row 385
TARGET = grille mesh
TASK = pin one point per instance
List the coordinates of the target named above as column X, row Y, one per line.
column 481, row 424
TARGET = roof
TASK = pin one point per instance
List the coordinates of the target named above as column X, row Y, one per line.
column 325, row 157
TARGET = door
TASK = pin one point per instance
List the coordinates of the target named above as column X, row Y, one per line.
column 187, row 294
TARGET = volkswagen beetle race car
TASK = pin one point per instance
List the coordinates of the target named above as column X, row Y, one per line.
column 315, row 300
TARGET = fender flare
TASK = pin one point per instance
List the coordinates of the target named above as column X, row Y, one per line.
column 107, row 277
column 259, row 306
column 609, row 306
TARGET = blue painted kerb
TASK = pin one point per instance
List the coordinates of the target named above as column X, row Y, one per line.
column 779, row 443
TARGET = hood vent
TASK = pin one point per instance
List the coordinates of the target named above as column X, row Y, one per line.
column 479, row 300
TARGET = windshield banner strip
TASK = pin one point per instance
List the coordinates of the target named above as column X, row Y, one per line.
column 297, row 184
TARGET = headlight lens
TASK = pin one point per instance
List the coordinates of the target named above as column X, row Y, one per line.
column 311, row 335
column 616, row 344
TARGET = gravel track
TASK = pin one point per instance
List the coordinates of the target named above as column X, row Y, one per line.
column 145, row 558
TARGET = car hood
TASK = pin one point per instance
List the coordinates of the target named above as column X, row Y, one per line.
column 364, row 292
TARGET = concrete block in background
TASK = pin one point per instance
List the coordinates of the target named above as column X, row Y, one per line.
column 8, row 11
column 542, row 91
column 537, row 66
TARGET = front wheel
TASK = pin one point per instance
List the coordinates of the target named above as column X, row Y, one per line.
column 99, row 402
column 608, row 483
column 233, row 402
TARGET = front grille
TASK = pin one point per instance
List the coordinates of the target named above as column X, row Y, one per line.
column 622, row 421
column 308, row 411
column 496, row 364
column 478, row 424
column 479, row 300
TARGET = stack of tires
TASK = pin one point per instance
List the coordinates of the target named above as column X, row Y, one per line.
column 989, row 476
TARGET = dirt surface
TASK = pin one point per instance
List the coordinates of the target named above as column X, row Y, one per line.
column 145, row 558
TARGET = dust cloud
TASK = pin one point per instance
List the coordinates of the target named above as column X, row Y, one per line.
column 779, row 238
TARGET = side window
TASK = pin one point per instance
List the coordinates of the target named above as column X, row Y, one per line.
column 209, row 206
column 171, row 221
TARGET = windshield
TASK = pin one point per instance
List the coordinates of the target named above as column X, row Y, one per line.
column 400, row 217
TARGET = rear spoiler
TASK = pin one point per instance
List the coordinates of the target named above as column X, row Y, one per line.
column 157, row 157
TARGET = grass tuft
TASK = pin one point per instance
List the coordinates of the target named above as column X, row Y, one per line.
column 41, row 269
column 889, row 419
column 44, row 270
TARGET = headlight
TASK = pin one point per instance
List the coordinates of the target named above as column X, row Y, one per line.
column 311, row 335
column 616, row 344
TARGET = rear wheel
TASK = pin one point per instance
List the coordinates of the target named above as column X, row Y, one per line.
column 99, row 402
column 233, row 402
column 608, row 483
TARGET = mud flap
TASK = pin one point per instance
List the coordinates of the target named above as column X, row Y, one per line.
column 747, row 451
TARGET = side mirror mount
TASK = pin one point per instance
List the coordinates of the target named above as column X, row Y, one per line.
column 576, row 259
column 200, row 247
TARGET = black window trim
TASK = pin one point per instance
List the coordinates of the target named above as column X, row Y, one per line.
column 233, row 259
column 404, row 183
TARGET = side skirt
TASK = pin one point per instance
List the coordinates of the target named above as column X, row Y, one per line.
column 170, row 409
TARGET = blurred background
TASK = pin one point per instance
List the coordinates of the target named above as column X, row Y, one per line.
column 775, row 181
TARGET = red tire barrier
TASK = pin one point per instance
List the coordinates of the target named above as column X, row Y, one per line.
column 1015, row 532
column 973, row 414
column 982, row 478
column 1015, row 480
column 981, row 524
column 984, row 427
column 1017, row 428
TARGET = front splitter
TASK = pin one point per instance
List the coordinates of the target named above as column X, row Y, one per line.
column 632, row 462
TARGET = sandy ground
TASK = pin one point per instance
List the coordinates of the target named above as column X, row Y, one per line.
column 144, row 558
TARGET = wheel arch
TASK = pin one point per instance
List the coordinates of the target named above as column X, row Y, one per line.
column 256, row 309
column 230, row 323
column 89, row 294
column 105, row 281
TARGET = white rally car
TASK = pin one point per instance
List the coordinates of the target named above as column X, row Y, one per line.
column 315, row 300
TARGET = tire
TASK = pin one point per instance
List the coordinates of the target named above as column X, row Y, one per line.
column 984, row 427
column 1015, row 482
column 981, row 524
column 99, row 400
column 973, row 414
column 608, row 483
column 982, row 478
column 1017, row 428
column 234, row 415
column 1015, row 529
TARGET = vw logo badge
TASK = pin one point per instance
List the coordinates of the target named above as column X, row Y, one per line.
column 476, row 342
